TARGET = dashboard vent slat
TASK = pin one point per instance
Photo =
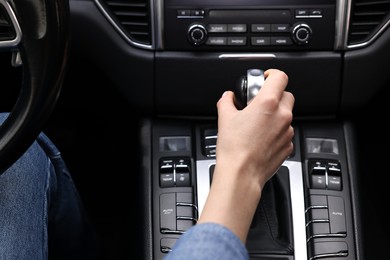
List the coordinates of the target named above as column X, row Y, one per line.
column 132, row 17
column 367, row 18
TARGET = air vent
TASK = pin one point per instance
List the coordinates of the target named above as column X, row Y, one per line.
column 133, row 19
column 367, row 19
column 7, row 31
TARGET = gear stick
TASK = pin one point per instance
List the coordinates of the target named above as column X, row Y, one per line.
column 247, row 87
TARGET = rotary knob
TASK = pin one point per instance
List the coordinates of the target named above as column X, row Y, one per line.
column 197, row 34
column 301, row 33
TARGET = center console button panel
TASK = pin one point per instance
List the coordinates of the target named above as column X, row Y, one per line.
column 329, row 218
column 177, row 212
column 325, row 174
column 327, row 226
column 245, row 26
column 175, row 172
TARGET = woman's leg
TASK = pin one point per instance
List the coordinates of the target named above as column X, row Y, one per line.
column 41, row 213
column 71, row 235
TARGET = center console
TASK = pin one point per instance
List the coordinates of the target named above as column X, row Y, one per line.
column 307, row 210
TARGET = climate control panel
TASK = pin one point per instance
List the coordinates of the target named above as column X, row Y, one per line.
column 303, row 27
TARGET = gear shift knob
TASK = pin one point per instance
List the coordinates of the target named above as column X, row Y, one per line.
column 247, row 87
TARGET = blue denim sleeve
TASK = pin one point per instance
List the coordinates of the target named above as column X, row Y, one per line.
column 208, row 241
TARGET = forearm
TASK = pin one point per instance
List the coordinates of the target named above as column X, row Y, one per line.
column 232, row 200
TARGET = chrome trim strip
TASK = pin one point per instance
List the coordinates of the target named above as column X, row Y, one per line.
column 298, row 208
column 296, row 194
column 14, row 42
column 316, row 207
column 158, row 23
column 177, row 232
column 187, row 205
column 152, row 21
column 119, row 30
column 343, row 12
column 247, row 56
column 203, row 181
column 187, row 218
column 317, row 221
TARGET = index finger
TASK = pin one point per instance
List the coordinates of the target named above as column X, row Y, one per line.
column 275, row 83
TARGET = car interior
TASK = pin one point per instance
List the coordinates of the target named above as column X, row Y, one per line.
column 127, row 90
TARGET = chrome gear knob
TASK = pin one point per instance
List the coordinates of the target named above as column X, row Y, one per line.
column 247, row 87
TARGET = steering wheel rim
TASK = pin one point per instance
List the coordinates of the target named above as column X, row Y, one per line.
column 41, row 37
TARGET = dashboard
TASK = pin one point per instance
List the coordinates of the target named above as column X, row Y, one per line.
column 171, row 60
column 188, row 49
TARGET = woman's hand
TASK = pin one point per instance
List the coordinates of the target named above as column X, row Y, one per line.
column 252, row 144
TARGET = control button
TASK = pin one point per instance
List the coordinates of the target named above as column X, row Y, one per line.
column 210, row 142
column 318, row 182
column 166, row 166
column 281, row 41
column 318, row 200
column 238, row 41
column 301, row 33
column 337, row 215
column 217, row 28
column 315, row 228
column 184, row 197
column 185, row 206
column 328, row 250
column 334, row 182
column 315, row 13
column 185, row 211
column 236, row 28
column 216, row 41
column 166, row 244
column 197, row 34
column 197, row 13
column 334, row 168
column 184, row 225
column 318, row 214
column 301, row 13
column 183, row 180
column 211, row 151
column 167, row 180
column 183, row 13
column 334, row 176
column 260, row 41
column 210, row 134
column 182, row 169
column 168, row 211
column 280, row 27
column 317, row 171
column 260, row 28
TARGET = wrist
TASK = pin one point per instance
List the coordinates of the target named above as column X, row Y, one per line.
column 232, row 200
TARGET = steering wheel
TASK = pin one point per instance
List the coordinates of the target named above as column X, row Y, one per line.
column 37, row 32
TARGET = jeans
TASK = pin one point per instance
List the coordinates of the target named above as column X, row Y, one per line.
column 41, row 214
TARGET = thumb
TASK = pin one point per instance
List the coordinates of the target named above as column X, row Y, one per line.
column 226, row 103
